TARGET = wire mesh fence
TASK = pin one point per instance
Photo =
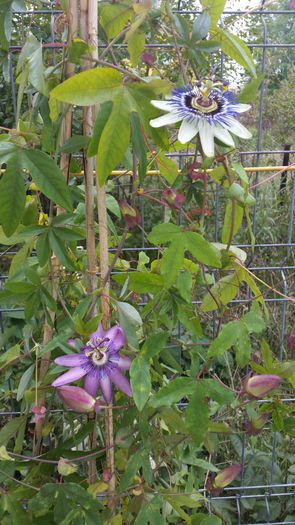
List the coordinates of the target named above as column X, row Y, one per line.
column 272, row 257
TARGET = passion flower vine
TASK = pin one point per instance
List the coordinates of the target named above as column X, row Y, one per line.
column 207, row 108
column 99, row 362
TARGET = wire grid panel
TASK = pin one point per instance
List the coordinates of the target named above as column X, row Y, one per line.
column 273, row 257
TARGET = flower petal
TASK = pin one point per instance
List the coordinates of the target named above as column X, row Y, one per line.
column 240, row 108
column 187, row 131
column 117, row 337
column 222, row 134
column 72, row 343
column 70, row 360
column 170, row 118
column 71, row 375
column 121, row 382
column 98, row 334
column 91, row 384
column 124, row 362
column 207, row 138
column 165, row 105
column 106, row 388
column 237, row 128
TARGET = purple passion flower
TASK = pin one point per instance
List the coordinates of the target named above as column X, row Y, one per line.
column 207, row 108
column 99, row 362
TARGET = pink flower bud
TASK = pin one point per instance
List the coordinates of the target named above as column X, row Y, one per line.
column 226, row 476
column 223, row 479
column 174, row 198
column 254, row 426
column 148, row 59
column 260, row 385
column 292, row 4
column 131, row 215
column 77, row 399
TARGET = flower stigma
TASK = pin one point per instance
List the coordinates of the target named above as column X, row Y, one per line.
column 98, row 351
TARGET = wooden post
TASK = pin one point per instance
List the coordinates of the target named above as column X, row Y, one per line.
column 86, row 15
column 72, row 16
column 103, row 264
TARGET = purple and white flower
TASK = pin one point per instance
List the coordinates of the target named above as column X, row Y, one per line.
column 99, row 362
column 207, row 108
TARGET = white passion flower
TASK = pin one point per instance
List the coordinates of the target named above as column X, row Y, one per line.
column 207, row 108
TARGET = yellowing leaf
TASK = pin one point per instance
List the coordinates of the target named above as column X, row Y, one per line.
column 89, row 87
column 65, row 467
column 4, row 454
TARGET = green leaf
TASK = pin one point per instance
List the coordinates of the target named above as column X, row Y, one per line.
column 68, row 234
column 222, row 292
column 201, row 26
column 114, row 139
column 267, row 356
column 250, row 90
column 168, row 169
column 182, row 26
column 243, row 346
column 130, row 321
column 225, row 340
column 77, row 49
column 154, row 345
column 211, row 520
column 74, row 144
column 12, row 195
column 20, row 257
column 177, row 389
column 150, row 514
column 163, row 233
column 254, row 322
column 184, row 285
column 197, row 415
column 60, row 250
column 228, row 218
column 240, row 171
column 235, row 48
column 10, row 429
column 7, row 149
column 136, row 46
column 89, row 87
column 207, row 46
column 202, row 250
column 214, row 8
column 114, row 17
column 20, row 287
column 43, row 249
column 141, row 282
column 172, row 261
column 140, row 380
column 48, row 177
column 188, row 317
column 138, row 144
column 9, row 355
column 133, row 465
column 100, row 122
column 24, row 381
column 37, row 71
column 218, row 392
